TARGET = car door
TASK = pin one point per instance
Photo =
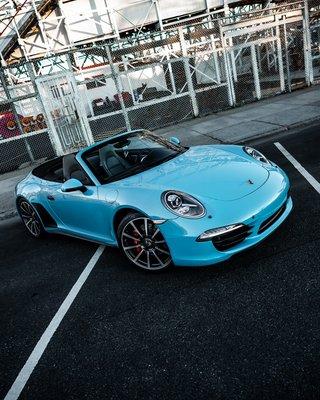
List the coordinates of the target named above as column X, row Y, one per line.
column 79, row 213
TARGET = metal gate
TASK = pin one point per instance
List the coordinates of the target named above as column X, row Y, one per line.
column 68, row 124
column 255, row 74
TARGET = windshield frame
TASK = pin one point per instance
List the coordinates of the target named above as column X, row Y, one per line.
column 178, row 149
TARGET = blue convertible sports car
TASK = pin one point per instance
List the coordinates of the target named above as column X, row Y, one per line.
column 160, row 202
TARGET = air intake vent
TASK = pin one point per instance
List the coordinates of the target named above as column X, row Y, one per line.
column 271, row 220
column 230, row 239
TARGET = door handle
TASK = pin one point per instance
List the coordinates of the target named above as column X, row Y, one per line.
column 50, row 197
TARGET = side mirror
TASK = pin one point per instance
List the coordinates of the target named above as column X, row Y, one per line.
column 72, row 185
column 174, row 140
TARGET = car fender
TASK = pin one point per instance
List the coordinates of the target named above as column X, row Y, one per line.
column 144, row 200
column 30, row 191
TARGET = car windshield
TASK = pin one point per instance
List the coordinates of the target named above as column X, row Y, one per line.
column 128, row 155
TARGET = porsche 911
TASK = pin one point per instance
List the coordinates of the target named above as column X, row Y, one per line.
column 160, row 202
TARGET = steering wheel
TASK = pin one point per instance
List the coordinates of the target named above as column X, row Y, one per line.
column 146, row 156
column 125, row 153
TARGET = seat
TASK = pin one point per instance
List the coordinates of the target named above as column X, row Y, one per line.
column 69, row 165
column 111, row 162
column 71, row 169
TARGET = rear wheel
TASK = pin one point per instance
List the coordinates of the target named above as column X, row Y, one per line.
column 143, row 244
column 30, row 218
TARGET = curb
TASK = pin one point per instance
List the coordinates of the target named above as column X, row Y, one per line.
column 285, row 128
column 8, row 214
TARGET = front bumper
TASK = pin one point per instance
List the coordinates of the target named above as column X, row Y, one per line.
column 181, row 234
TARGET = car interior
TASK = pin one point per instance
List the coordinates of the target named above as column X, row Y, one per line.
column 108, row 162
column 114, row 160
column 72, row 169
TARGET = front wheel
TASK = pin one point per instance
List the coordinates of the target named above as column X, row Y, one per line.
column 30, row 218
column 143, row 244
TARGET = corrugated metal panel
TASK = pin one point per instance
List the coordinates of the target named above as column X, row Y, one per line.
column 129, row 14
column 87, row 19
column 170, row 9
column 135, row 12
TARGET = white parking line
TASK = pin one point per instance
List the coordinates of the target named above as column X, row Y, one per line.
column 313, row 182
column 37, row 352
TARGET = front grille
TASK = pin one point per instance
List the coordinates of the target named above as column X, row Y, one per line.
column 229, row 239
column 271, row 220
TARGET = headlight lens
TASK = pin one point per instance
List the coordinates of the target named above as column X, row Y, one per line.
column 256, row 154
column 182, row 204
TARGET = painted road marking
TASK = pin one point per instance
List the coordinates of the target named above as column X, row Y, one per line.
column 37, row 352
column 313, row 182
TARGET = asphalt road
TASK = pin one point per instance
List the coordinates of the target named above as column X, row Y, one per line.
column 245, row 329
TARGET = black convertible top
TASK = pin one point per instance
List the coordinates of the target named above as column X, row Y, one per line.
column 42, row 170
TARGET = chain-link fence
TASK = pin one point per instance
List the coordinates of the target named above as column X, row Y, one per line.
column 315, row 41
column 61, row 103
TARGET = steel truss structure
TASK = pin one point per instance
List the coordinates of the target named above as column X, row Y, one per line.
column 207, row 62
column 38, row 28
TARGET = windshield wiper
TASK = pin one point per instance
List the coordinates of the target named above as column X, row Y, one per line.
column 161, row 160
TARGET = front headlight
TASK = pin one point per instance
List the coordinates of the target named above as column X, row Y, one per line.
column 182, row 204
column 256, row 154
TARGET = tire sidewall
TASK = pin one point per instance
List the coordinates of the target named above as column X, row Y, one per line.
column 129, row 217
column 42, row 231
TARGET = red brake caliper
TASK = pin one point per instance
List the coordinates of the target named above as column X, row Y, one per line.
column 137, row 242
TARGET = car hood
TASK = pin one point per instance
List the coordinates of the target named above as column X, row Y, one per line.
column 204, row 171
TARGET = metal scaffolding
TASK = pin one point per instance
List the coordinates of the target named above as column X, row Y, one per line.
column 202, row 64
column 40, row 28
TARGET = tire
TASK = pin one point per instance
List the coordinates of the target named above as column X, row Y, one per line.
column 30, row 219
column 143, row 244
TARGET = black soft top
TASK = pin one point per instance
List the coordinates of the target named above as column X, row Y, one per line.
column 42, row 170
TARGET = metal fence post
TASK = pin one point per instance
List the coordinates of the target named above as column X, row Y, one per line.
column 187, row 72
column 230, row 79
column 233, row 62
column 125, row 64
column 233, row 66
column 255, row 71
column 280, row 65
column 285, row 39
column 169, row 68
column 273, row 52
column 279, row 57
column 307, row 45
column 15, row 114
column 215, row 59
column 190, row 87
column 116, row 78
column 228, row 71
